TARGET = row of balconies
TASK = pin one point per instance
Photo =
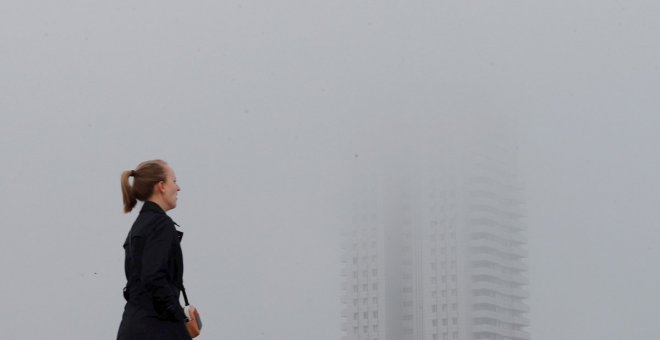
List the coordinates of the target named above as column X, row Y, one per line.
column 497, row 248
column 510, row 221
column 503, row 233
column 500, row 199
column 480, row 198
column 498, row 274
column 501, row 303
column 507, row 244
column 490, row 224
column 501, row 317
column 515, row 334
column 514, row 264
column 510, row 291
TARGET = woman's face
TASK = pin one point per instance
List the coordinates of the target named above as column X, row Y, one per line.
column 170, row 189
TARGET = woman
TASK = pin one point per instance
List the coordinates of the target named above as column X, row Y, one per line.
column 154, row 261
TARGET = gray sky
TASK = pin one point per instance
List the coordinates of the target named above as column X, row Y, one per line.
column 261, row 107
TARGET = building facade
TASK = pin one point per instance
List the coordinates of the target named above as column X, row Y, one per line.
column 436, row 247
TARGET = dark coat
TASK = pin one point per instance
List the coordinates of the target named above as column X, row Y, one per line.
column 154, row 274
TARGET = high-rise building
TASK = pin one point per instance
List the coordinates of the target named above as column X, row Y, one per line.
column 436, row 247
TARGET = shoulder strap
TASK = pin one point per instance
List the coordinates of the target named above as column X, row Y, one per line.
column 185, row 296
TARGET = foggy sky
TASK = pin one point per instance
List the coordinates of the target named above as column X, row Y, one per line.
column 265, row 109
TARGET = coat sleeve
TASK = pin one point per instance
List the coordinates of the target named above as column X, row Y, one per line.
column 157, row 249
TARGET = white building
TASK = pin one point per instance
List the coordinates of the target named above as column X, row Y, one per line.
column 436, row 246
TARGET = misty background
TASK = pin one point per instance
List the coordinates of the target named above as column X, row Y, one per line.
column 264, row 109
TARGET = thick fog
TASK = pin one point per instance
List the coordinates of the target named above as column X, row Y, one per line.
column 268, row 110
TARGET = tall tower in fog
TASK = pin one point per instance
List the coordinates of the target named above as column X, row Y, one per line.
column 436, row 246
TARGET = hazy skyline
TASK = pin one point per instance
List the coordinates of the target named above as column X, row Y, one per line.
column 266, row 109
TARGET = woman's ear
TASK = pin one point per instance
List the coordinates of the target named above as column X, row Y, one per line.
column 161, row 187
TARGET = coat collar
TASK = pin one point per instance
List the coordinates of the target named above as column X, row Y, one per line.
column 151, row 206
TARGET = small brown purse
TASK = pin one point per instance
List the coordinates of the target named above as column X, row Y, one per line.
column 194, row 322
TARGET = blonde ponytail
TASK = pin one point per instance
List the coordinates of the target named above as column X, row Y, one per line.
column 145, row 176
column 127, row 191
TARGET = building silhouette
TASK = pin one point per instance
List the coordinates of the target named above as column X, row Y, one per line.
column 436, row 245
